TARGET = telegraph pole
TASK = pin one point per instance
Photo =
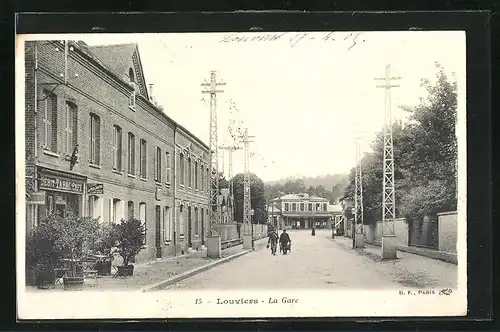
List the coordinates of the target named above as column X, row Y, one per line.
column 230, row 150
column 247, row 206
column 213, row 241
column 358, row 201
column 388, row 199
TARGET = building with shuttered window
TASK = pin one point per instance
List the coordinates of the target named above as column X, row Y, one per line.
column 97, row 144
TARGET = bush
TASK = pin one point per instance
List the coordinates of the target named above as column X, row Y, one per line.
column 129, row 235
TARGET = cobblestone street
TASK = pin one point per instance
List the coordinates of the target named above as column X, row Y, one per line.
column 322, row 262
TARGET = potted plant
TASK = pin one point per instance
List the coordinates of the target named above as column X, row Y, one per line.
column 75, row 237
column 129, row 235
column 42, row 255
column 104, row 245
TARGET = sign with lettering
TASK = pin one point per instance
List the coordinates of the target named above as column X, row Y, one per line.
column 53, row 183
column 95, row 188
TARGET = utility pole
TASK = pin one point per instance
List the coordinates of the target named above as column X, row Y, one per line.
column 230, row 150
column 388, row 190
column 247, row 206
column 358, row 201
column 213, row 241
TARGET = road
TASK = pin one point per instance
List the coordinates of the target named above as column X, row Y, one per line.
column 319, row 262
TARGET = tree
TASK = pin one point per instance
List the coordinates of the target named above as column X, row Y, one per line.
column 130, row 236
column 257, row 197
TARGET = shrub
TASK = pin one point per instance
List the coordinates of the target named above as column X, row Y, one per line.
column 129, row 235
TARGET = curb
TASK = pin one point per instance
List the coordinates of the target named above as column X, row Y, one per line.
column 187, row 274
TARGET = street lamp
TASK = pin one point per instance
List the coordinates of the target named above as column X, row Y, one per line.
column 251, row 224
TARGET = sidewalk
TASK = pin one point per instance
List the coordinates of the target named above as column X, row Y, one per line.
column 149, row 273
column 411, row 270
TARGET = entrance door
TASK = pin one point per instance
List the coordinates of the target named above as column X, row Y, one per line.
column 202, row 226
column 158, row 231
column 190, row 225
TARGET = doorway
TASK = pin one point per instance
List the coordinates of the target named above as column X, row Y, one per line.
column 158, row 231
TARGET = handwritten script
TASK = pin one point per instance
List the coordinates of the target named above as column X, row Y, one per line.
column 294, row 38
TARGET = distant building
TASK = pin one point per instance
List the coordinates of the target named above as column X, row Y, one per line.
column 302, row 211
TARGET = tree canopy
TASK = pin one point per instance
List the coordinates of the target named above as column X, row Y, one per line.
column 258, row 200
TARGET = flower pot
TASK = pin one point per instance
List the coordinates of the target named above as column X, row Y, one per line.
column 73, row 283
column 45, row 277
column 126, row 271
column 104, row 268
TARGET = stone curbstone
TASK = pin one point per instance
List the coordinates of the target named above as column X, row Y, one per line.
column 187, row 274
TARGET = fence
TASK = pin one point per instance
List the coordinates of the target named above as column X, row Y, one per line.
column 232, row 234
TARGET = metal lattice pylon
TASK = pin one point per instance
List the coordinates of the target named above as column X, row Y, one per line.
column 358, row 197
column 247, row 206
column 214, row 160
column 230, row 150
column 388, row 190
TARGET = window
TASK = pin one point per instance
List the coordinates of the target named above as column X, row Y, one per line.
column 50, row 122
column 209, row 179
column 181, row 220
column 196, row 226
column 167, row 225
column 181, row 169
column 202, row 218
column 202, row 178
column 310, row 206
column 168, row 168
column 158, row 165
column 325, row 206
column 117, row 210
column 131, row 101
column 195, row 175
column 130, row 210
column 93, row 207
column 317, row 206
column 286, row 206
column 131, row 154
column 131, row 75
column 144, row 159
column 301, row 206
column 294, row 207
column 117, row 148
column 142, row 218
column 190, row 172
column 95, row 139
column 71, row 129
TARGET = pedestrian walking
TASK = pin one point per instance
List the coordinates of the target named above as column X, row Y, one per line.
column 285, row 242
column 273, row 240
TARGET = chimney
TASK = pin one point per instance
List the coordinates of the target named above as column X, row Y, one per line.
column 83, row 45
column 151, row 92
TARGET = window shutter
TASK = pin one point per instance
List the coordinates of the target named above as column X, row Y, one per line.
column 54, row 123
column 115, row 147
column 74, row 112
column 97, row 140
column 154, row 163
column 48, row 121
column 133, row 154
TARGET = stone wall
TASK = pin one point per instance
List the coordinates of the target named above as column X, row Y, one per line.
column 447, row 222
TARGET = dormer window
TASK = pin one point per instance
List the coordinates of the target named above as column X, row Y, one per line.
column 131, row 75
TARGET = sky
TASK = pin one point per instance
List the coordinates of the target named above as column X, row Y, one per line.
column 304, row 97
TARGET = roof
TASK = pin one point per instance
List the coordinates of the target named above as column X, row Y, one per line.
column 303, row 196
column 334, row 208
column 274, row 208
column 117, row 58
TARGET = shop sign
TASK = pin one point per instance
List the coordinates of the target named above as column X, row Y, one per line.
column 53, row 183
column 95, row 188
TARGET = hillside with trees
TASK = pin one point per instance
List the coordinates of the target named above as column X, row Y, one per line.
column 329, row 186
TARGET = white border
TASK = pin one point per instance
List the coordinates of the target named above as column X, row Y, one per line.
column 180, row 304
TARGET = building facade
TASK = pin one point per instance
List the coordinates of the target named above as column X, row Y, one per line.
column 98, row 145
column 302, row 211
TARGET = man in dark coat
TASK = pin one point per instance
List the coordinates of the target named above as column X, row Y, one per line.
column 284, row 241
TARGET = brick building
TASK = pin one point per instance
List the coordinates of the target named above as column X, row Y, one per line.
column 93, row 103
